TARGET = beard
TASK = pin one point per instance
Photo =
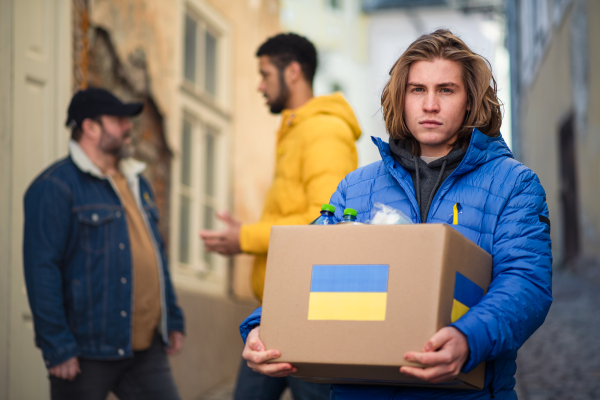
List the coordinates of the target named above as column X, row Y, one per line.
column 115, row 146
column 278, row 105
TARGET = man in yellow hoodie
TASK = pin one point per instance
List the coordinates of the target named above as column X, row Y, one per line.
column 315, row 150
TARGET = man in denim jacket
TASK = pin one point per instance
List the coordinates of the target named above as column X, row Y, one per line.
column 104, row 308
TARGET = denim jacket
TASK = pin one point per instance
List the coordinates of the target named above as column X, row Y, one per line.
column 78, row 263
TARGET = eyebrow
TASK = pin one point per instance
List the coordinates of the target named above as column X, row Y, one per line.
column 445, row 84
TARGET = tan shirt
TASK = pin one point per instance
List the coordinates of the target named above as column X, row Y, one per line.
column 146, row 285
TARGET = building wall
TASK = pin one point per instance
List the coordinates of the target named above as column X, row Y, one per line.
column 6, row 33
column 565, row 82
column 35, row 58
column 589, row 145
column 541, row 115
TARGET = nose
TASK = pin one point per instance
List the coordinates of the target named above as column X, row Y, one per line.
column 431, row 103
column 261, row 86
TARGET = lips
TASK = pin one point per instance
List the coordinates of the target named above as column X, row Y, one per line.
column 430, row 123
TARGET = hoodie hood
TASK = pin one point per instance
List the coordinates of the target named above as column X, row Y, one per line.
column 401, row 152
column 334, row 104
column 428, row 177
column 481, row 150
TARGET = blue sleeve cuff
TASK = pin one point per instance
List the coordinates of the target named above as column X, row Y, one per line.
column 474, row 351
column 251, row 322
column 175, row 320
column 61, row 355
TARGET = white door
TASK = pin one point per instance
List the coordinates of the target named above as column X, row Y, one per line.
column 41, row 90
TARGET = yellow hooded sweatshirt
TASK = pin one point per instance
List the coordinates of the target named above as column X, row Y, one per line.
column 315, row 151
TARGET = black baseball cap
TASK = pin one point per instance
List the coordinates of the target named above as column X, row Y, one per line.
column 93, row 102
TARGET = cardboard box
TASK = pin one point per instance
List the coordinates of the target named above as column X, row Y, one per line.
column 344, row 303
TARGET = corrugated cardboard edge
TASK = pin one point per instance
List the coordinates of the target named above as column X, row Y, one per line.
column 376, row 372
column 454, row 239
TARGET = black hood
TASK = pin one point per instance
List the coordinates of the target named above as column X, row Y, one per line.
column 427, row 178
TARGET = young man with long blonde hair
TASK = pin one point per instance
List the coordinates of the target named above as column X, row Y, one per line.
column 445, row 152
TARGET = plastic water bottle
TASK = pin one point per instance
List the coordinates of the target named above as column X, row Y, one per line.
column 349, row 217
column 326, row 217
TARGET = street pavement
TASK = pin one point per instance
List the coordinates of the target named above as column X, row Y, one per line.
column 225, row 392
column 561, row 361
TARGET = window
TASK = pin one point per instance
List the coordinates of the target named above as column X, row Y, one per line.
column 201, row 47
column 185, row 197
column 210, row 63
column 209, row 199
column 200, row 178
column 199, row 198
column 191, row 34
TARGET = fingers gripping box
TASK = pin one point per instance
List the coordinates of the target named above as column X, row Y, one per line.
column 344, row 304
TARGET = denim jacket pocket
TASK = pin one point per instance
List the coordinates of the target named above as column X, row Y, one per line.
column 96, row 227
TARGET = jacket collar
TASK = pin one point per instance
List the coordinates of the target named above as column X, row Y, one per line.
column 482, row 149
column 129, row 167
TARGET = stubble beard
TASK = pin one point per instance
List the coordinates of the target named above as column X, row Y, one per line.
column 278, row 105
column 114, row 146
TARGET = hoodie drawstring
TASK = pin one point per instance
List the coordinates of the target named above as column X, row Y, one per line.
column 437, row 182
column 418, row 181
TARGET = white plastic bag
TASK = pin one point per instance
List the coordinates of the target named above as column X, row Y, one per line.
column 386, row 215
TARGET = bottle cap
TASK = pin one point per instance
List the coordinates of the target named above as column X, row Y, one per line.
column 350, row 211
column 328, row 207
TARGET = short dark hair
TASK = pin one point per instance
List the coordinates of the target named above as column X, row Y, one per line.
column 288, row 47
column 77, row 130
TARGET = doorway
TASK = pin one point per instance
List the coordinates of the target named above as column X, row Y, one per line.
column 568, row 189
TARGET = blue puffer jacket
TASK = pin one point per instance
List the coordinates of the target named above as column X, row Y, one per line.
column 504, row 211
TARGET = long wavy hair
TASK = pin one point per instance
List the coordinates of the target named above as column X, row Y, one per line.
column 485, row 109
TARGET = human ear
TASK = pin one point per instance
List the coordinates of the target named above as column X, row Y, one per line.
column 90, row 127
column 293, row 72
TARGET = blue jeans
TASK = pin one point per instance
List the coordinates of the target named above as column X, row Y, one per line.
column 254, row 386
column 147, row 375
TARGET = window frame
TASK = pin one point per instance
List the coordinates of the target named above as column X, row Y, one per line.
column 202, row 111
column 206, row 22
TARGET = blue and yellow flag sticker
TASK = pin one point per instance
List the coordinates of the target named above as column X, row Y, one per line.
column 348, row 292
column 466, row 295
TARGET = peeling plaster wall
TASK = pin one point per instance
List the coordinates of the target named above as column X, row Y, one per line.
column 147, row 26
column 130, row 82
